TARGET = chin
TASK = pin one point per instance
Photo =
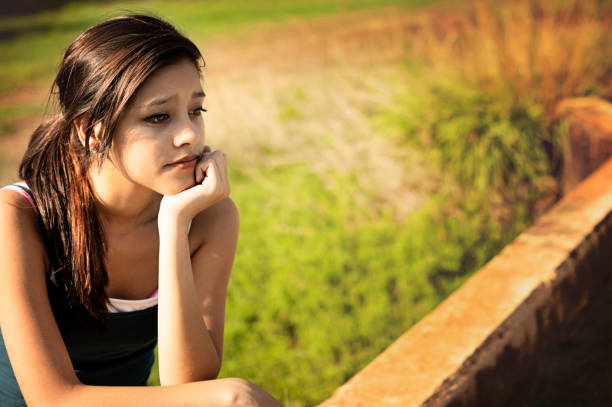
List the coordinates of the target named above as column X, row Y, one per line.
column 175, row 185
column 175, row 189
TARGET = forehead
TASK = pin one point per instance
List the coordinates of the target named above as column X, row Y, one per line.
column 178, row 77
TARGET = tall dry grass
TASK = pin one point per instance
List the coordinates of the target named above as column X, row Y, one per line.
column 484, row 79
column 538, row 49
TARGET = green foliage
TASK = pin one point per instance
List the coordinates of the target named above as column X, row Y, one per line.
column 486, row 141
column 321, row 285
column 496, row 151
column 497, row 154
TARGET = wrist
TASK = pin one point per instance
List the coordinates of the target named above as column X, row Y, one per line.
column 172, row 223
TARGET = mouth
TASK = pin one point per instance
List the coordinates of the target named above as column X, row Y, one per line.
column 188, row 161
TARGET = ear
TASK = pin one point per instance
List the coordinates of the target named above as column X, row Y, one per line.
column 80, row 123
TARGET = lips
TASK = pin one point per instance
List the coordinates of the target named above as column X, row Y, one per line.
column 184, row 162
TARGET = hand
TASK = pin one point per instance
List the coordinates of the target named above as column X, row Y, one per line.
column 242, row 393
column 211, row 186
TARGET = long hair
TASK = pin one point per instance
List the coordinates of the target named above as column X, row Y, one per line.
column 100, row 72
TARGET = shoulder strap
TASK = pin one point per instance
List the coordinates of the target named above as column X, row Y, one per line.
column 25, row 191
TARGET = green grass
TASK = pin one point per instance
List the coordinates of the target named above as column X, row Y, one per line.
column 494, row 145
column 321, row 284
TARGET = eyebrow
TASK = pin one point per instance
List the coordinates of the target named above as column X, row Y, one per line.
column 157, row 102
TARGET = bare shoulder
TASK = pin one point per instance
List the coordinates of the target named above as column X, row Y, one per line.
column 16, row 210
column 20, row 224
column 219, row 223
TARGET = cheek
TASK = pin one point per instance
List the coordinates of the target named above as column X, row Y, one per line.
column 139, row 158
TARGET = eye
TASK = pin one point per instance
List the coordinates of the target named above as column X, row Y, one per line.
column 157, row 118
column 197, row 111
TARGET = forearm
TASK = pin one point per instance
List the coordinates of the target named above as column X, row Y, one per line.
column 215, row 393
column 230, row 392
column 186, row 350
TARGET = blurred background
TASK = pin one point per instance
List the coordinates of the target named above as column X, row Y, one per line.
column 380, row 152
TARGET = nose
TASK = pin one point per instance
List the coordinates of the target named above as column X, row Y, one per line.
column 188, row 132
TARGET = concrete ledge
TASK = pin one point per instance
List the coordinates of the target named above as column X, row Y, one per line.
column 474, row 346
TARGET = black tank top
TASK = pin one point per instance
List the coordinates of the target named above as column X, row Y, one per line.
column 120, row 354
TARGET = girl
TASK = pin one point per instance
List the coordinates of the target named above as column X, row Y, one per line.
column 121, row 236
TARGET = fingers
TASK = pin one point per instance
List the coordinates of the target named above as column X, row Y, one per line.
column 203, row 163
column 211, row 172
column 201, row 168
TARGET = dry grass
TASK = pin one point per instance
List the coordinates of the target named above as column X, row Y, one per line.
column 531, row 48
column 322, row 119
column 307, row 91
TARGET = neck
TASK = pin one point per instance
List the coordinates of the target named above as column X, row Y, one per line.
column 121, row 203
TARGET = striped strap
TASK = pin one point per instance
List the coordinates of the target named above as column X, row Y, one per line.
column 25, row 191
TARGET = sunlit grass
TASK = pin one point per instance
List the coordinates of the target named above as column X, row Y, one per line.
column 321, row 284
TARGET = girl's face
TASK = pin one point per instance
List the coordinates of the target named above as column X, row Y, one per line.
column 160, row 136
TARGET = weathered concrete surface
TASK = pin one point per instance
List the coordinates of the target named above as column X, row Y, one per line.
column 575, row 370
column 474, row 346
column 589, row 142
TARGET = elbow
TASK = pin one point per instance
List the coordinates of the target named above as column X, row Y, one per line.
column 73, row 397
column 68, row 395
column 212, row 370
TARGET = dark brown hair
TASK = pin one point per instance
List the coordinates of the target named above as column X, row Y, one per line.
column 100, row 72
